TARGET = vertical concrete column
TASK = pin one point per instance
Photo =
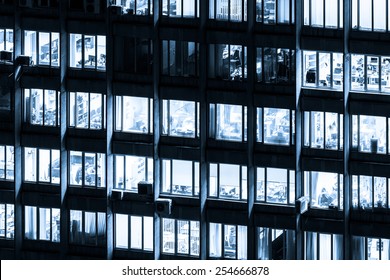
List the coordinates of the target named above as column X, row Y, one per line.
column 299, row 191
column 347, row 128
column 156, row 121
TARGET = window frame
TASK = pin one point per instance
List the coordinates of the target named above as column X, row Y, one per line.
column 168, row 14
column 39, row 225
column 171, row 171
column 260, row 13
column 9, row 226
column 37, row 62
column 37, row 166
column 307, row 6
column 83, row 171
column 6, row 170
column 242, row 169
column 98, row 242
column 212, row 15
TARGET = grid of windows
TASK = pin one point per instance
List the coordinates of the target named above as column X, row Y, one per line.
column 207, row 119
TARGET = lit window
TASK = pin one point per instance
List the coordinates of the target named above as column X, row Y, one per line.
column 325, row 189
column 228, row 181
column 367, row 248
column 180, row 118
column 275, row 65
column 228, row 122
column 135, row 7
column 275, row 185
column 6, row 40
column 7, row 163
column 323, row 13
column 87, row 51
column 321, row 246
column 323, row 70
column 87, row 169
column 271, row 242
column 180, row 177
column 227, row 62
column 42, row 223
column 42, row 107
column 180, row 237
column 275, row 126
column 323, row 130
column 180, row 58
column 230, row 10
column 370, row 15
column 7, row 221
column 130, row 170
column 369, row 192
column 369, row 133
column 180, row 8
column 42, row 47
column 272, row 11
column 133, row 232
column 370, row 73
column 42, row 165
column 87, row 110
column 134, row 114
column 227, row 241
column 87, row 228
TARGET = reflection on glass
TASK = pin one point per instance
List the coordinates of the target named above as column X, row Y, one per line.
column 227, row 62
column 229, row 122
column 325, row 188
column 276, row 126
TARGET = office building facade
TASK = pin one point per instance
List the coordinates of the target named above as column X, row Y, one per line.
column 194, row 129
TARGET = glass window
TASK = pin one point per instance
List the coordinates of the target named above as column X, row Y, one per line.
column 42, row 223
column 134, row 230
column 180, row 8
column 6, row 40
column 41, row 107
column 180, row 118
column 227, row 62
column 276, row 126
column 135, row 7
column 42, row 165
column 87, row 169
column 178, row 177
column 42, row 47
column 275, row 185
column 180, row 58
column 275, row 244
column 87, row 51
column 369, row 192
column 227, row 241
column 232, row 10
column 323, row 130
column 370, row 133
column 87, row 110
column 7, row 221
column 7, row 163
column 321, row 13
column 136, row 57
column 367, row 248
column 323, row 69
column 321, row 246
column 228, row 122
column 134, row 114
column 227, row 181
column 130, row 170
column 87, row 228
column 324, row 189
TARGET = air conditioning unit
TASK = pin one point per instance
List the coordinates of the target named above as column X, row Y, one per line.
column 6, row 55
column 164, row 206
column 117, row 194
column 44, row 3
column 116, row 10
column 24, row 60
column 26, row 3
column 145, row 188
column 302, row 204
column 92, row 6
